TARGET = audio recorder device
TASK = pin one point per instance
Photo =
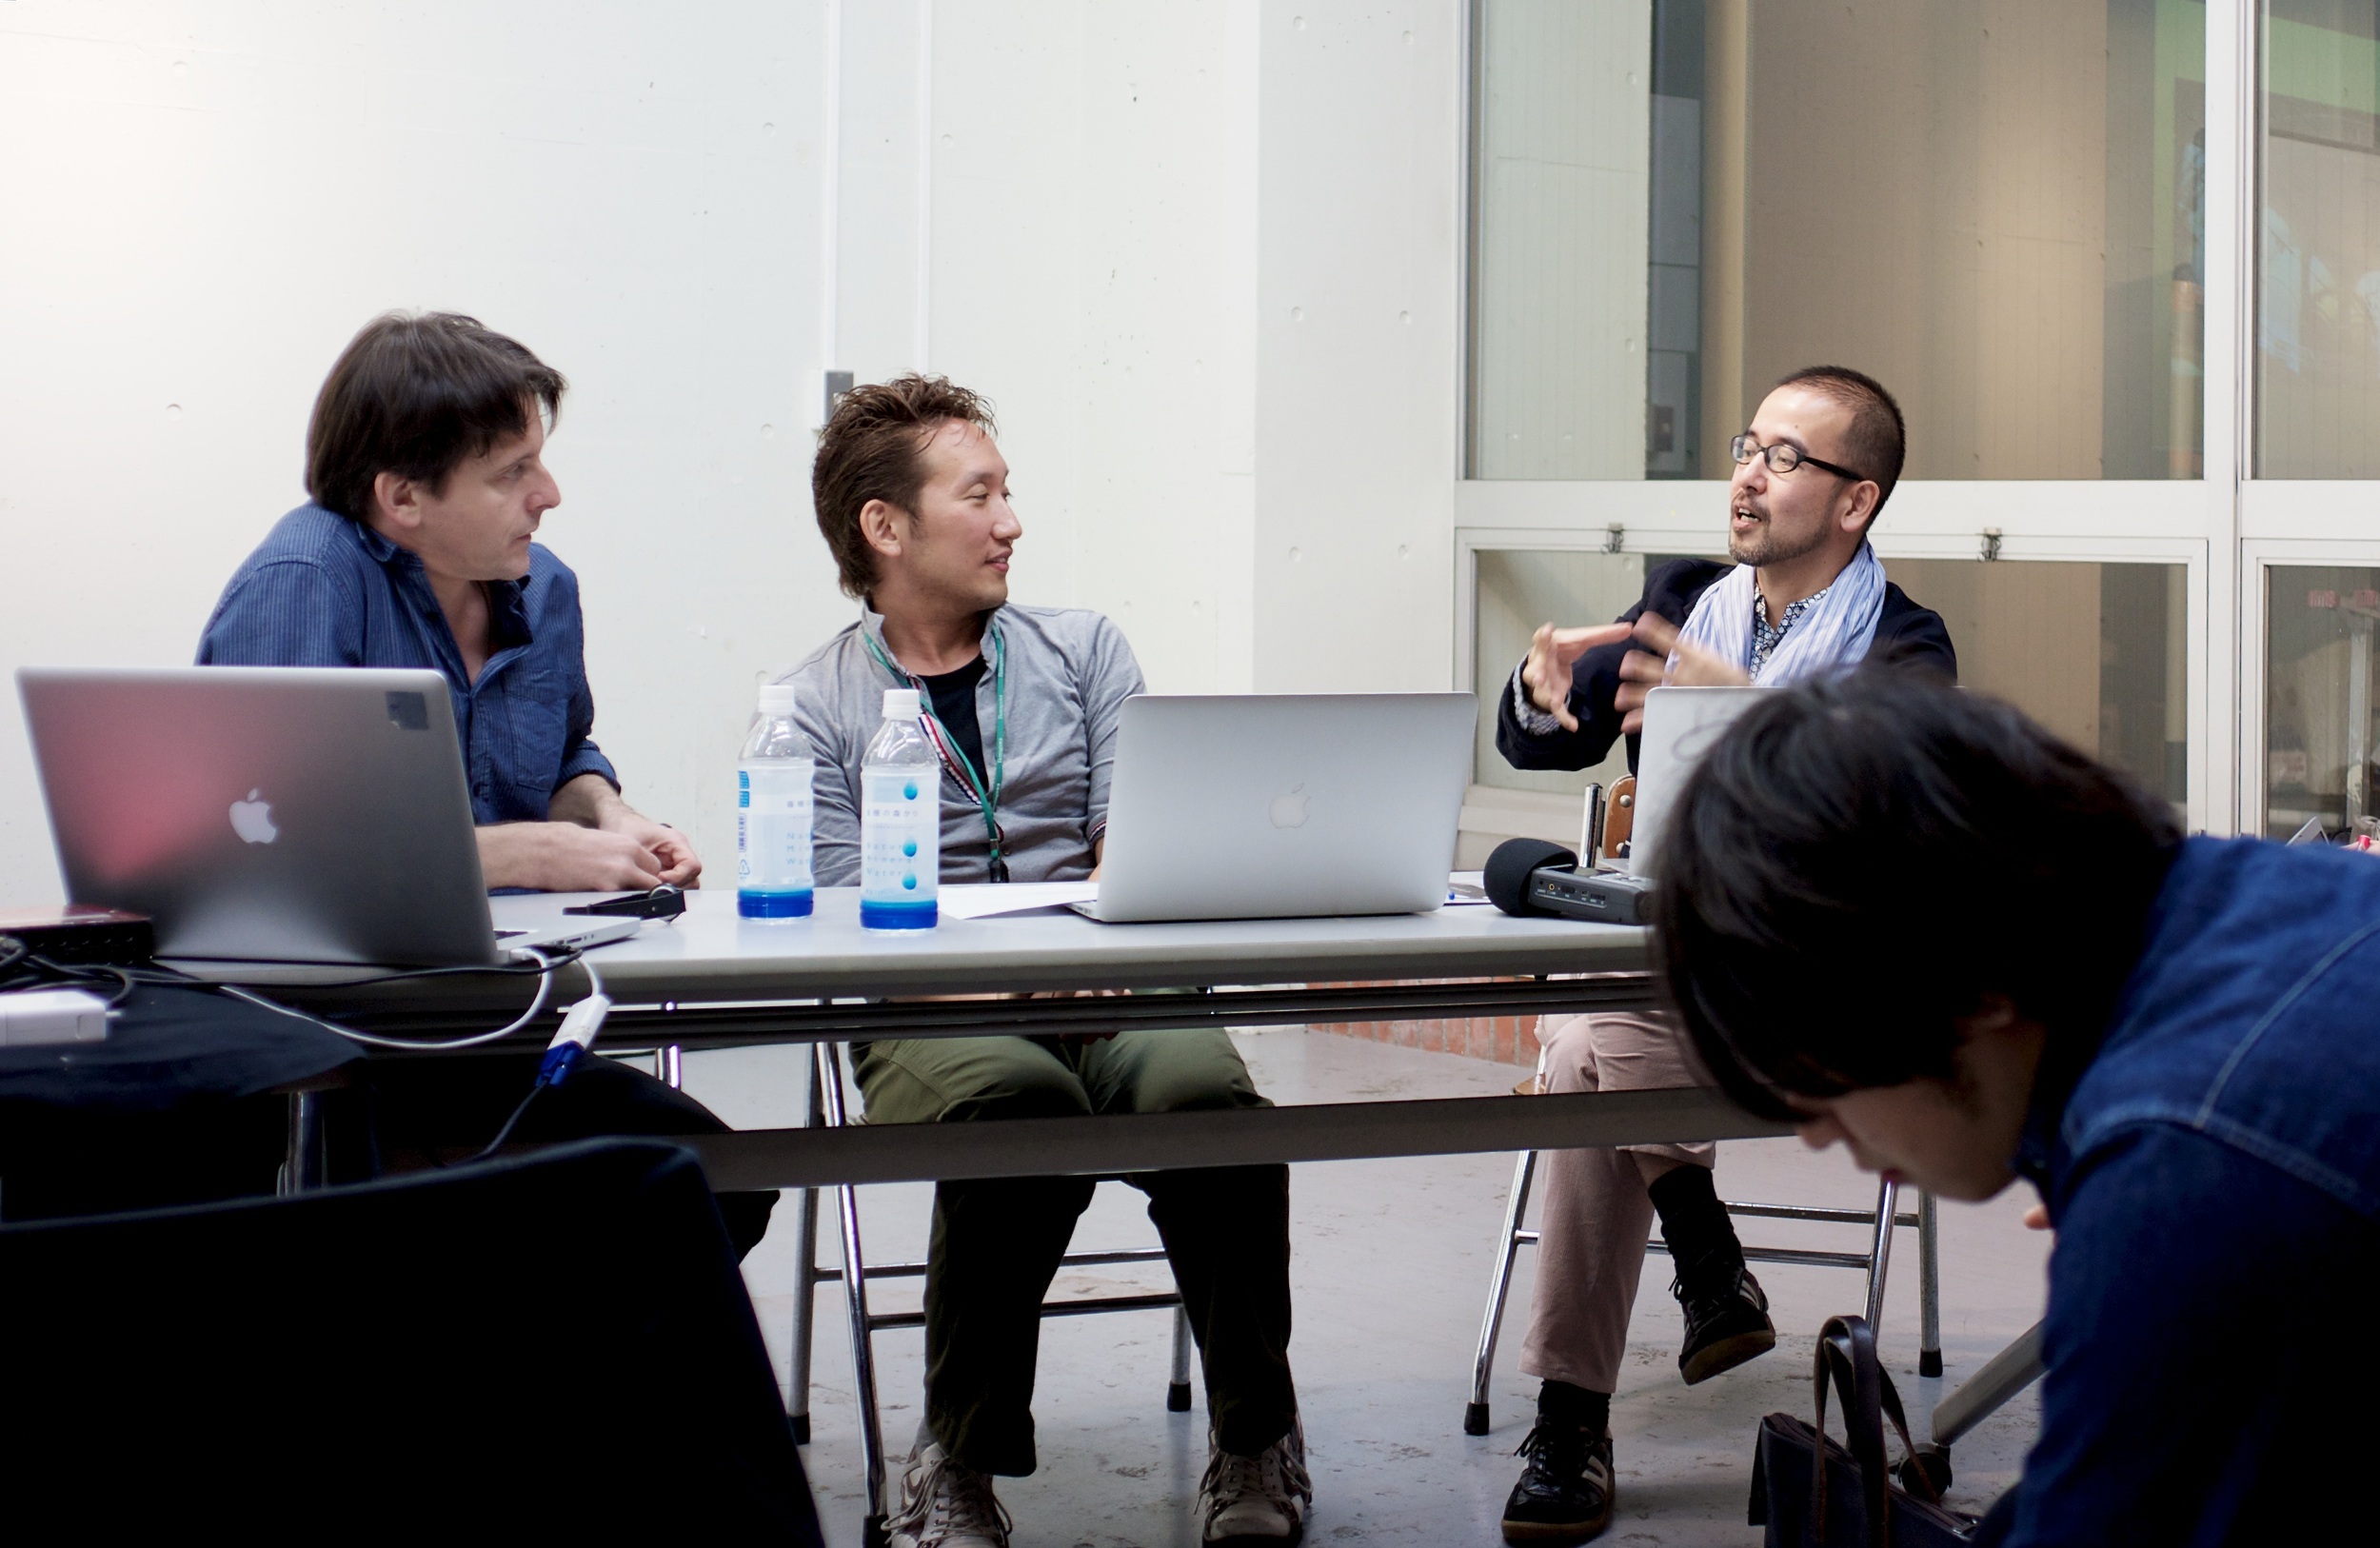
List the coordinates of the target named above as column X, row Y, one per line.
column 1531, row 876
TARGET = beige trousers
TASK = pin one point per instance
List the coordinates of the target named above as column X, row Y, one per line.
column 1596, row 1213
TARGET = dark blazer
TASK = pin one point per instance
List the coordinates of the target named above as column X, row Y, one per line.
column 1904, row 633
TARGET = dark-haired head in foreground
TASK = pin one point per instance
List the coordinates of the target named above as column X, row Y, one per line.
column 1909, row 919
column 1875, row 881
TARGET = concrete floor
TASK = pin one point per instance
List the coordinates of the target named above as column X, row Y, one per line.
column 1391, row 1271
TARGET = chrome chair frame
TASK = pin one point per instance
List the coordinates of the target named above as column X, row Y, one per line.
column 1880, row 1221
column 826, row 1108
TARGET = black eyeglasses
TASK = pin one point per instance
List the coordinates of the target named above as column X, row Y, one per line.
column 1784, row 459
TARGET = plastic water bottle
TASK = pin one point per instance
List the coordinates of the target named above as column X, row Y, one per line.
column 901, row 822
column 773, row 813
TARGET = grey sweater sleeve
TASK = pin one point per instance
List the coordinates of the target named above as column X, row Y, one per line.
column 835, row 789
column 1111, row 675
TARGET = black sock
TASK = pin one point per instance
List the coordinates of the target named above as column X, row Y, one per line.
column 1701, row 1238
column 1560, row 1402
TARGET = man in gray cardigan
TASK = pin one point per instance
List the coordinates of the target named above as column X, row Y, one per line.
column 912, row 496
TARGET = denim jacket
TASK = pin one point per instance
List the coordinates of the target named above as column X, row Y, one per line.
column 322, row 590
column 2213, row 1170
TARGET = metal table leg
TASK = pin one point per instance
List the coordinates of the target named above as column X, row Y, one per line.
column 855, row 1300
column 2003, row 1376
column 1178, row 1389
column 1887, row 1197
column 805, row 1284
column 304, row 1164
column 1929, row 1288
column 1475, row 1412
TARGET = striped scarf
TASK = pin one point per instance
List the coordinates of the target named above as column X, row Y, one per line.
column 1833, row 634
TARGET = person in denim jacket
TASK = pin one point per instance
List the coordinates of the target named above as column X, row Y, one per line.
column 1909, row 920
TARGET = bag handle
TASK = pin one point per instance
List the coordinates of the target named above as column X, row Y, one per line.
column 1847, row 1352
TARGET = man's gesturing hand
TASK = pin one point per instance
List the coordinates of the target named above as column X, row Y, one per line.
column 1552, row 652
column 1647, row 668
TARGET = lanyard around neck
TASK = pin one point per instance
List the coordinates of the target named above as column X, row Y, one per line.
column 986, row 793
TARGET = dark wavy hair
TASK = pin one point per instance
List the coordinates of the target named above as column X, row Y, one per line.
column 1860, row 861
column 873, row 447
column 416, row 395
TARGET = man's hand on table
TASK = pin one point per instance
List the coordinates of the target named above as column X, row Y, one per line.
column 564, row 857
column 596, row 843
column 590, row 801
column 1553, row 655
column 1647, row 668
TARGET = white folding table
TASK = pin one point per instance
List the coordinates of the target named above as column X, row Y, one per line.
column 713, row 979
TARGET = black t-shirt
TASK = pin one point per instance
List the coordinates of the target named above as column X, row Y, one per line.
column 954, row 704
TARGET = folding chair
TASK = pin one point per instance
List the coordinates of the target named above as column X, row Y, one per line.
column 826, row 1108
column 1606, row 827
column 1880, row 1221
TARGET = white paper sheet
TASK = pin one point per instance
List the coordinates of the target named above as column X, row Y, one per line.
column 990, row 899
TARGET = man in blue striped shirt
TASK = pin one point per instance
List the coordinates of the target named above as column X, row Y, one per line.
column 424, row 462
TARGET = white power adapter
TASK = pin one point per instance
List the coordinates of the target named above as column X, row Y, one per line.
column 33, row 1017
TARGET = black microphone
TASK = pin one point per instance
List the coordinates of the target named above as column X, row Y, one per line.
column 1514, row 866
column 1530, row 877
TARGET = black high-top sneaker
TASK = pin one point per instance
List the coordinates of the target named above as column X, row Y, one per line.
column 1727, row 1318
column 1564, row 1495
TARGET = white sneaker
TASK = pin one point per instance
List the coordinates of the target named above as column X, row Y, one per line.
column 946, row 1505
column 1257, row 1499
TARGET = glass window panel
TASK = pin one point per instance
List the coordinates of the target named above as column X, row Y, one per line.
column 1997, row 210
column 2318, row 270
column 2318, row 710
column 2021, row 630
column 2029, row 632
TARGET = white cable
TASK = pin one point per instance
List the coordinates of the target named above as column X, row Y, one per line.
column 545, row 987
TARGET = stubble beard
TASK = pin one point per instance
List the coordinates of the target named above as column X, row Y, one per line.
column 1762, row 547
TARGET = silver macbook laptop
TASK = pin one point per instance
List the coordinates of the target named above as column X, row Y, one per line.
column 1275, row 806
column 272, row 814
column 1679, row 726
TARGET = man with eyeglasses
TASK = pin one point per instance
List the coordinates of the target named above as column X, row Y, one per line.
column 1805, row 597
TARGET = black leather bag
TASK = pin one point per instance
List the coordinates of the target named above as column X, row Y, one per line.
column 1811, row 1493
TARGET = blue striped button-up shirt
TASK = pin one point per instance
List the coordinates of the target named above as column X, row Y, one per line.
column 322, row 590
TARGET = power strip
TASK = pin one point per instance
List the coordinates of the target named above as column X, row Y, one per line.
column 32, row 1017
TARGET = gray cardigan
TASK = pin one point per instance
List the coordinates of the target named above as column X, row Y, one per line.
column 1069, row 673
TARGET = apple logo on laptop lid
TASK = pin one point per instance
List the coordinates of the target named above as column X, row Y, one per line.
column 1290, row 810
column 252, row 820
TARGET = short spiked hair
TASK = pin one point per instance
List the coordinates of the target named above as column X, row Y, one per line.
column 1880, row 437
column 873, row 447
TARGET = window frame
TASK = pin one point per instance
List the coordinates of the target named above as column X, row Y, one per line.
column 2261, row 556
column 2201, row 523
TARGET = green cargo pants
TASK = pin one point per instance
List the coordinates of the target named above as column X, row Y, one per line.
column 997, row 1241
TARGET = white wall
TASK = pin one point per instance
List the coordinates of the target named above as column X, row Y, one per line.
column 1564, row 205
column 1358, row 327
column 1203, row 258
